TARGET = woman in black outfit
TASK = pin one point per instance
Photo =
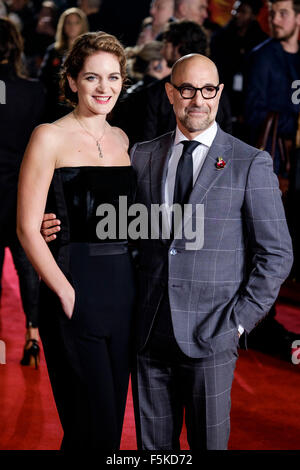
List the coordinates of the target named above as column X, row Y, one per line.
column 88, row 291
column 22, row 111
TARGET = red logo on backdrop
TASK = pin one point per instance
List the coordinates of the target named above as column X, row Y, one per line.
column 56, row 62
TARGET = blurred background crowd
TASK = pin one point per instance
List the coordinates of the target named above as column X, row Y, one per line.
column 253, row 42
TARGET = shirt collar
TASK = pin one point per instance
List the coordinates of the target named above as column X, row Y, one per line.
column 206, row 138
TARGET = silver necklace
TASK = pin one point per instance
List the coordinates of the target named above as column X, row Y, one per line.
column 96, row 140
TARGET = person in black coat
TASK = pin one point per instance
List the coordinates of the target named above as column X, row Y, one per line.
column 274, row 69
column 272, row 72
column 230, row 48
column 146, row 66
column 22, row 110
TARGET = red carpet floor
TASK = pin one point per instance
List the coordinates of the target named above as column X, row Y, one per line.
column 265, row 396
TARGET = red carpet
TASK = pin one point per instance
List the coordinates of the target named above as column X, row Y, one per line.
column 265, row 397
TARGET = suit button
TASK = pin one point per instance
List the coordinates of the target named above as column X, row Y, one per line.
column 173, row 251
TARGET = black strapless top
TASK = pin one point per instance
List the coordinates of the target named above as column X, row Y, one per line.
column 75, row 194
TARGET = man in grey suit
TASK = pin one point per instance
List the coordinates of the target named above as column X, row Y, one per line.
column 193, row 304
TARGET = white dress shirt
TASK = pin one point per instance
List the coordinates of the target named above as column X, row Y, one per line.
column 199, row 154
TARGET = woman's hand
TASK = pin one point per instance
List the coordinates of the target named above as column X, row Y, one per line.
column 68, row 301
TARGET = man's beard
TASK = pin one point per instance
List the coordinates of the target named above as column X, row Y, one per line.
column 194, row 124
column 286, row 37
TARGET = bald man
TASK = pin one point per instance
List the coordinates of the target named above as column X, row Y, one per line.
column 193, row 10
column 194, row 303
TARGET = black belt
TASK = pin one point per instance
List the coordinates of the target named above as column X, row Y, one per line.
column 104, row 249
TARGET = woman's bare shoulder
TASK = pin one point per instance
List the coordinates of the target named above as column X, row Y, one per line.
column 121, row 136
column 54, row 132
column 47, row 131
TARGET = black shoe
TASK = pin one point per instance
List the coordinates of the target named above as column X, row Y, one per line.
column 31, row 355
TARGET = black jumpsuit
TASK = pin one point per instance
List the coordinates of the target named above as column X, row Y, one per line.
column 88, row 357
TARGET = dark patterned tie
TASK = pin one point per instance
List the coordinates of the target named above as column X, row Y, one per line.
column 184, row 173
column 184, row 177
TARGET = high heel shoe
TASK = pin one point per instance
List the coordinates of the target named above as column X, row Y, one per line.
column 31, row 356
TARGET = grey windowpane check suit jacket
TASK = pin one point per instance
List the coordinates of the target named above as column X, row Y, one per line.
column 235, row 277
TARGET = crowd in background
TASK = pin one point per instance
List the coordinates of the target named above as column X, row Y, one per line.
column 49, row 28
column 171, row 29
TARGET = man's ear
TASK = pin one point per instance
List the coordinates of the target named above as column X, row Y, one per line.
column 298, row 19
column 169, row 90
column 221, row 88
column 72, row 83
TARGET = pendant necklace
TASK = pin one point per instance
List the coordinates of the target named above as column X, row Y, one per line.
column 96, row 140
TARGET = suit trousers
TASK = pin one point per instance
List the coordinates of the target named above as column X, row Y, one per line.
column 166, row 383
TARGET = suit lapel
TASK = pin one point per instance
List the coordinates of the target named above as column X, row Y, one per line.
column 158, row 167
column 158, row 172
column 209, row 173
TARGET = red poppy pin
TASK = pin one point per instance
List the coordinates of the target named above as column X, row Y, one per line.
column 220, row 163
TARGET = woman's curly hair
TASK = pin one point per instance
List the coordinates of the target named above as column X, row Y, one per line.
column 84, row 46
